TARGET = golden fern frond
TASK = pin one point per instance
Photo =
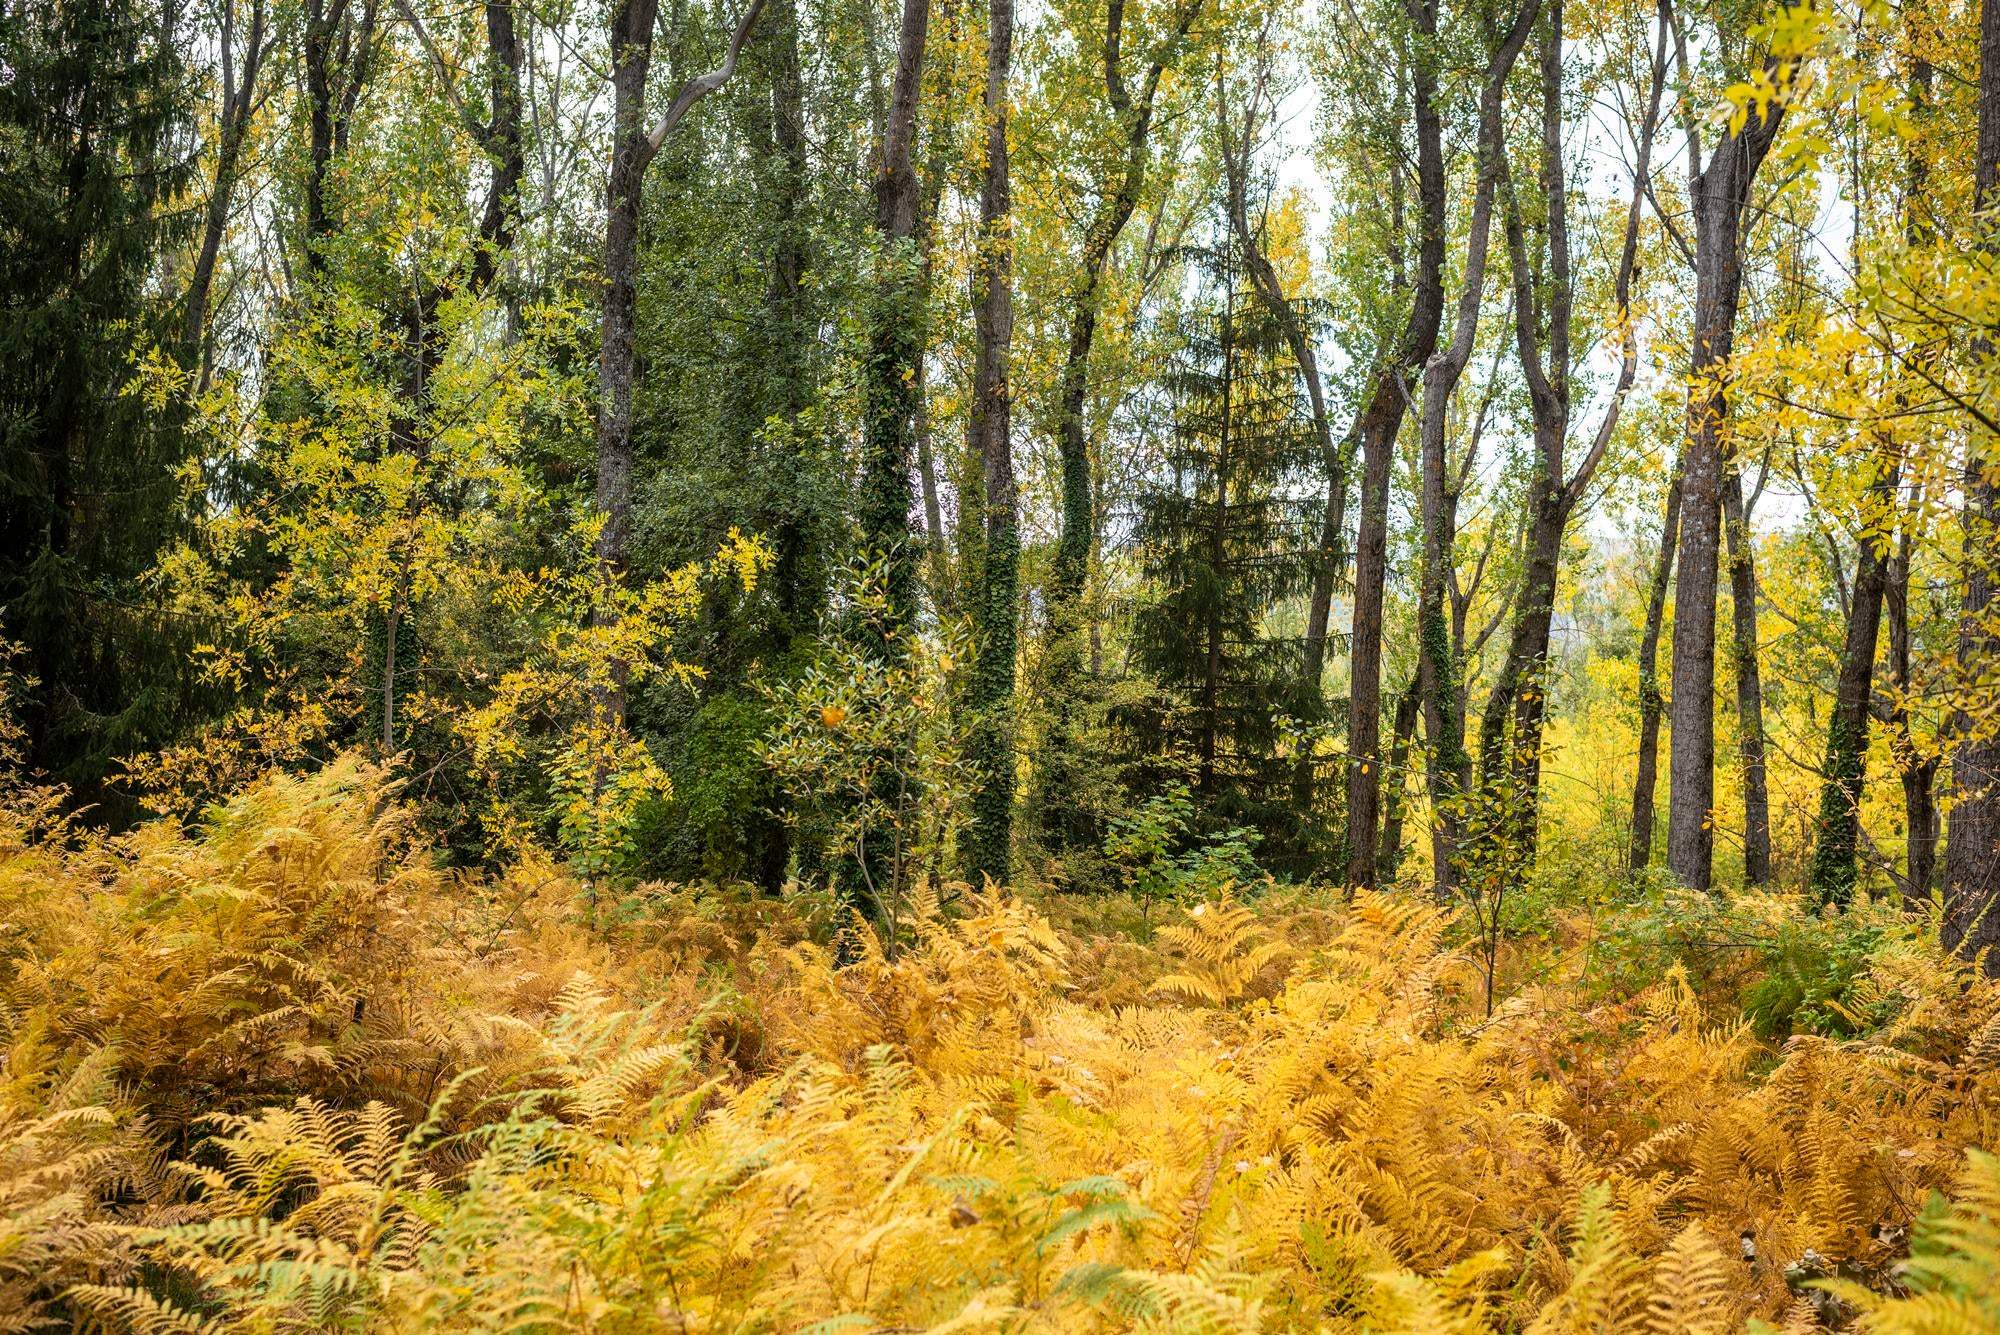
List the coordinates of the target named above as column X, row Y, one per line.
column 1607, row 1292
column 1691, row 1288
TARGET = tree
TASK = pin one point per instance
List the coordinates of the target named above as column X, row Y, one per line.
column 95, row 126
column 1225, row 545
column 1000, row 574
column 1972, row 845
column 633, row 149
column 1543, row 316
column 1719, row 186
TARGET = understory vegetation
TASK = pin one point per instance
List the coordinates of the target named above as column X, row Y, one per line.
column 283, row 1072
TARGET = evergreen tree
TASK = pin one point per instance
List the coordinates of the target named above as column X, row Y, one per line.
column 1227, row 536
column 96, row 136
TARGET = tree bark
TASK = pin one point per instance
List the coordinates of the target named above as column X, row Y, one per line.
column 1652, row 704
column 1917, row 770
column 1972, row 850
column 1719, row 196
column 1438, row 669
column 1000, row 575
column 1750, row 741
column 1395, row 782
column 1376, row 429
column 1512, row 773
column 896, row 338
column 1842, row 776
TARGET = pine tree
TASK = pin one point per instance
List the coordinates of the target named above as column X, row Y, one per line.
column 1228, row 538
column 96, row 135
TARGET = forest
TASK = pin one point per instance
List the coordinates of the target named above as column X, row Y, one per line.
column 929, row 665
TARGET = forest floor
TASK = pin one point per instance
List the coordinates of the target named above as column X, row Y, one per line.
column 283, row 1073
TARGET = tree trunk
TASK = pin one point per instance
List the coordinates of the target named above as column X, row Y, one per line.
column 239, row 98
column 1972, row 851
column 1511, row 774
column 1000, row 576
column 1395, row 782
column 896, row 339
column 1833, row 873
column 632, row 58
column 1652, row 704
column 1438, row 669
column 1750, row 741
column 1719, row 194
column 1376, row 428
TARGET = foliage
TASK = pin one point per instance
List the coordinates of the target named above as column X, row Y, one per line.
column 476, row 1115
column 1161, row 861
column 870, row 742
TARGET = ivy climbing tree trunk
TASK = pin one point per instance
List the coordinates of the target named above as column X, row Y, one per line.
column 1000, row 574
column 1833, row 873
column 1438, row 670
column 890, row 385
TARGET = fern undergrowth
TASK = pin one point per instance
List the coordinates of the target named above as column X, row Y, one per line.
column 281, row 1075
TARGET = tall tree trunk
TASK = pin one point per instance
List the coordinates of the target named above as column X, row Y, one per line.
column 1395, row 782
column 1750, row 742
column 1376, row 429
column 232, row 122
column 1972, row 850
column 1652, row 704
column 632, row 151
column 1000, row 574
column 896, row 337
column 1719, row 195
column 1917, row 770
column 631, row 59
column 1833, row 873
column 1512, row 770
column 1437, row 667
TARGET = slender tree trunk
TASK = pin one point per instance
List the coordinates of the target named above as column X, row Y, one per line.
column 1542, row 334
column 1395, row 782
column 632, row 57
column 896, row 340
column 1652, row 703
column 1972, row 850
column 1000, row 576
column 1376, row 429
column 1438, row 669
column 1833, row 872
column 1917, row 771
column 1750, row 742
column 239, row 98
column 1720, row 197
